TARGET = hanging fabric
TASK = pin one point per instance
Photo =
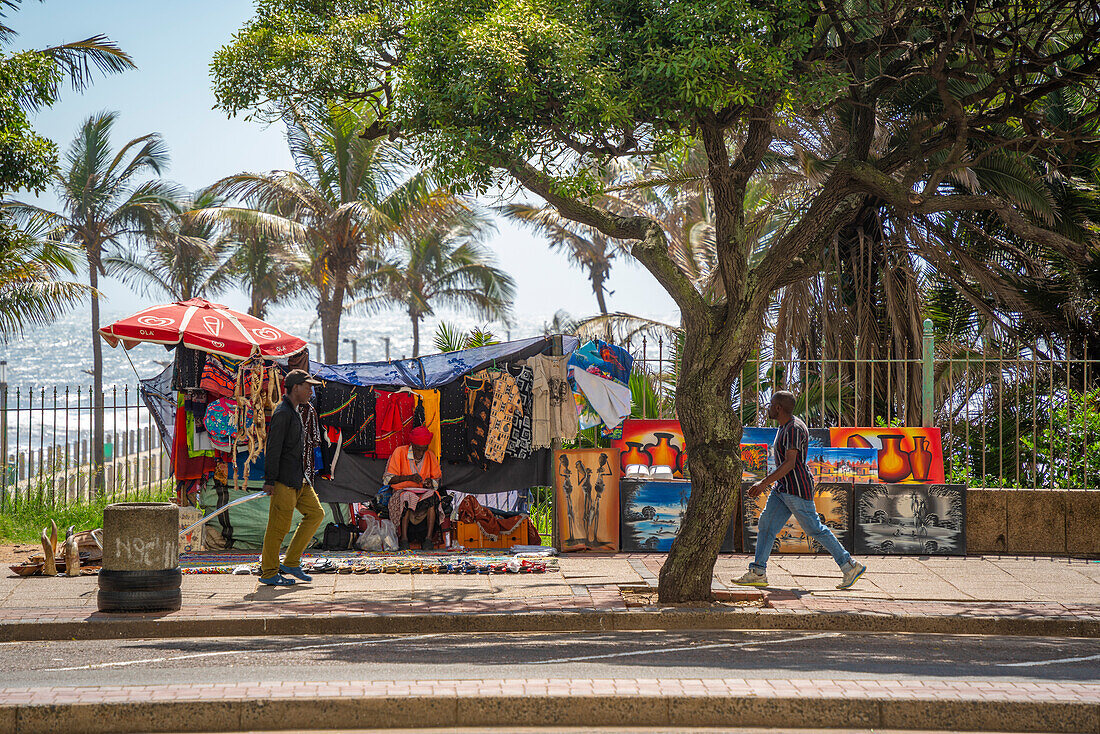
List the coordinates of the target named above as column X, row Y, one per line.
column 452, row 421
column 554, row 412
column 395, row 414
column 479, row 410
column 519, row 443
column 430, row 402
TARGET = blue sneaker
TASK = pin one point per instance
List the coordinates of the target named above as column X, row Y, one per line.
column 277, row 580
column 851, row 575
column 295, row 571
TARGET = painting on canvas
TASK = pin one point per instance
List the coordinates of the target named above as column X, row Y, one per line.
column 909, row 455
column 843, row 465
column 754, row 462
column 915, row 519
column 586, row 495
column 833, row 501
column 653, row 443
column 652, row 513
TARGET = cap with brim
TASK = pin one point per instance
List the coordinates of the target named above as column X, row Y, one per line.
column 297, row 377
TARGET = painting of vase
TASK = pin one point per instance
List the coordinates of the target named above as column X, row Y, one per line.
column 893, row 462
column 634, row 454
column 909, row 455
column 586, row 498
column 662, row 441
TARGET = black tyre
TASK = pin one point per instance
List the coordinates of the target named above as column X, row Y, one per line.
column 164, row 600
column 140, row 580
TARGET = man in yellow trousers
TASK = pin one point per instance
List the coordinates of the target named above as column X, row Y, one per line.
column 287, row 485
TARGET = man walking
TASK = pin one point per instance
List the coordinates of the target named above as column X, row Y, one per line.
column 793, row 495
column 286, row 483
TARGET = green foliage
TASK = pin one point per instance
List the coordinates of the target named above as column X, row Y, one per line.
column 449, row 338
column 540, row 508
column 23, row 521
column 1069, row 454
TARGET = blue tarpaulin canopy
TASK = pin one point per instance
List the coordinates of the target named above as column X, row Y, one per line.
column 435, row 370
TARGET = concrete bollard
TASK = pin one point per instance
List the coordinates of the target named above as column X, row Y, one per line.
column 140, row 558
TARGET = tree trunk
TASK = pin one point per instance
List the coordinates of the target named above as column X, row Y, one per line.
column 713, row 431
column 416, row 335
column 597, row 286
column 330, row 312
column 97, row 383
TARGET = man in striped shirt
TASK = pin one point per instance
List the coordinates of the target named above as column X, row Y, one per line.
column 793, row 495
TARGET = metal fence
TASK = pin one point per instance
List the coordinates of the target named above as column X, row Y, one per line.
column 1009, row 418
column 46, row 439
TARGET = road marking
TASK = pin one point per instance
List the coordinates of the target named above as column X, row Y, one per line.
column 1049, row 662
column 124, row 663
column 658, row 650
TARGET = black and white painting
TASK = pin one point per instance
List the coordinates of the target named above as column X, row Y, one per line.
column 910, row 519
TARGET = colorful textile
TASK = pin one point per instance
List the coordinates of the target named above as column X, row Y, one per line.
column 452, row 421
column 554, row 412
column 505, row 404
column 332, row 442
column 395, row 413
column 599, row 375
column 184, row 466
column 519, row 443
column 221, row 423
column 219, row 375
column 471, row 511
column 352, row 410
column 479, row 411
column 430, row 402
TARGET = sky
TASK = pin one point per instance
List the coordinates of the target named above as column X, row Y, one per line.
column 172, row 44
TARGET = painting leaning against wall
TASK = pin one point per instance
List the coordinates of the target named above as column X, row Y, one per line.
column 586, row 495
column 833, row 501
column 910, row 519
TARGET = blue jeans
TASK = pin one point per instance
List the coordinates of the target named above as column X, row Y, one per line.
column 780, row 507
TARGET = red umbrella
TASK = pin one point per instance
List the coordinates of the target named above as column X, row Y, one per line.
column 206, row 326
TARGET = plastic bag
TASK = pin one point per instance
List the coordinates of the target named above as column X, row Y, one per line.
column 389, row 535
column 370, row 536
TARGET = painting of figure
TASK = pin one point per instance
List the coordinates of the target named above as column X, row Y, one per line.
column 833, row 501
column 586, row 495
column 911, row 519
column 652, row 513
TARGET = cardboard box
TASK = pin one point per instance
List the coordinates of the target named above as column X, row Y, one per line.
column 192, row 541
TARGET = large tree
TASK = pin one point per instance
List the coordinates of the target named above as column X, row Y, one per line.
column 544, row 91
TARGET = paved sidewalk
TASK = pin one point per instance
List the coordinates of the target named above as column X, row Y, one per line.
column 992, row 594
column 885, row 703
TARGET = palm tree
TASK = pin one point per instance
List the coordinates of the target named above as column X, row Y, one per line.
column 586, row 248
column 268, row 269
column 444, row 264
column 103, row 207
column 342, row 204
column 184, row 258
column 31, row 292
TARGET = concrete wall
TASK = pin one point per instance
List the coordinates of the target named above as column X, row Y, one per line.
column 1040, row 522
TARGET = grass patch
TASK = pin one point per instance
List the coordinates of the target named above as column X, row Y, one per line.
column 541, row 511
column 22, row 521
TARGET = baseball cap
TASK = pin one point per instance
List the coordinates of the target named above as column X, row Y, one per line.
column 297, row 377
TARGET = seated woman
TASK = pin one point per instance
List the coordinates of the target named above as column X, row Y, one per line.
column 413, row 473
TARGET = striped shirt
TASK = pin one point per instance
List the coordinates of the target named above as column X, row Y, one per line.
column 798, row 481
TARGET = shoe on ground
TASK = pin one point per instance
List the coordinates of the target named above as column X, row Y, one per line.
column 296, row 572
column 427, row 544
column 851, row 575
column 277, row 580
column 752, row 578
column 402, row 544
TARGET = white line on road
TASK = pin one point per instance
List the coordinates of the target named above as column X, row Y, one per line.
column 192, row 656
column 1049, row 662
column 654, row 651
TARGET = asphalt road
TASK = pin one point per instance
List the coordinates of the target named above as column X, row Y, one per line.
column 766, row 655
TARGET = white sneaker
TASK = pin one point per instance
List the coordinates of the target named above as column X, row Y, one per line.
column 752, row 578
column 851, row 575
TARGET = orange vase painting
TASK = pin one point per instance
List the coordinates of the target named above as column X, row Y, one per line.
column 905, row 455
column 661, row 441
